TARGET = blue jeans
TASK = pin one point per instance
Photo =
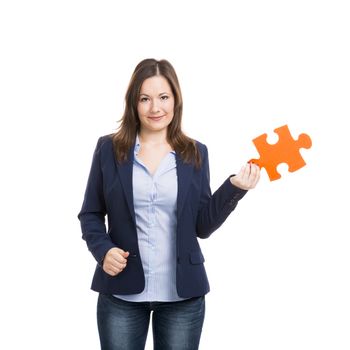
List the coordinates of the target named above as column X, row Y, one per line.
column 123, row 325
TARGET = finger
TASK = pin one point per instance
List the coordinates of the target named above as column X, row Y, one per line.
column 253, row 172
column 255, row 176
column 118, row 265
column 257, row 173
column 122, row 253
column 115, row 272
column 246, row 173
column 120, row 256
column 115, row 269
column 110, row 271
column 111, row 266
column 240, row 173
column 120, row 259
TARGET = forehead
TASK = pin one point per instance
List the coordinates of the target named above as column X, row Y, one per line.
column 156, row 84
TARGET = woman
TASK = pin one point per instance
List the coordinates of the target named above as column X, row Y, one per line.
column 152, row 182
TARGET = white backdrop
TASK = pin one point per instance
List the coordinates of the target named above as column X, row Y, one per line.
column 279, row 266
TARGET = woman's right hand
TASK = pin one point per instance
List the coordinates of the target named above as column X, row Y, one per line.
column 115, row 261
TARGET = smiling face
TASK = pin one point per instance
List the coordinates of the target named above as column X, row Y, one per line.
column 155, row 106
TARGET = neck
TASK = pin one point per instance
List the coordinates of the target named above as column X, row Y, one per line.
column 153, row 137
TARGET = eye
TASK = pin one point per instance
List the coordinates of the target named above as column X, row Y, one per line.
column 164, row 97
column 143, row 99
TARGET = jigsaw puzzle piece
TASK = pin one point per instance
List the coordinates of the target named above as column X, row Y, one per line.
column 266, row 159
column 286, row 150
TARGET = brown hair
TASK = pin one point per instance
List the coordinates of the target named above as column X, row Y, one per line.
column 125, row 136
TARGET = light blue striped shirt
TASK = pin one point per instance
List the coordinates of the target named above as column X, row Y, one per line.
column 155, row 202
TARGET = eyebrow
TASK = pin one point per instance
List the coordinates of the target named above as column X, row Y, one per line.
column 162, row 93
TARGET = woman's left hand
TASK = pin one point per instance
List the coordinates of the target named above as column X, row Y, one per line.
column 247, row 178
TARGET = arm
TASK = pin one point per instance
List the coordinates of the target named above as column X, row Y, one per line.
column 214, row 209
column 93, row 211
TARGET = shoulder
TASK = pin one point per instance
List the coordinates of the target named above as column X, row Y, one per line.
column 202, row 148
column 200, row 145
column 104, row 142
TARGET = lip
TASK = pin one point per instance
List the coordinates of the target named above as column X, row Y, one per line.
column 156, row 118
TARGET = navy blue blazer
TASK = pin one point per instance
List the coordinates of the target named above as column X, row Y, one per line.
column 199, row 213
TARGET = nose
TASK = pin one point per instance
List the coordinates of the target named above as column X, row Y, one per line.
column 155, row 107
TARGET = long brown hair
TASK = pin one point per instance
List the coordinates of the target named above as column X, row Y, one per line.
column 125, row 136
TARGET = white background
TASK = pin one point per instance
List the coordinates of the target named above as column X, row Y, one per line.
column 279, row 267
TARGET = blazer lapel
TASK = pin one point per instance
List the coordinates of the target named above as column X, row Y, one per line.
column 184, row 176
column 125, row 174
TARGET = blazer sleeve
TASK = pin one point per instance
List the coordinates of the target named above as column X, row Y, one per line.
column 215, row 208
column 93, row 211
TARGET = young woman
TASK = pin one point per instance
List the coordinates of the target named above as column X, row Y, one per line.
column 152, row 183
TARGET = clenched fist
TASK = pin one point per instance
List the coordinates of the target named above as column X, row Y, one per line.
column 115, row 261
column 247, row 178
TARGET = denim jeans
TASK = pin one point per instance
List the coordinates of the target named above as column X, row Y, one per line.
column 123, row 325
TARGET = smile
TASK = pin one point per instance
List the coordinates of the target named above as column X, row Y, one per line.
column 156, row 118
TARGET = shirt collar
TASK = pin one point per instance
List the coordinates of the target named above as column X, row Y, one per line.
column 137, row 145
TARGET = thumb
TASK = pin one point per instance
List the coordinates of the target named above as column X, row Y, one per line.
column 125, row 254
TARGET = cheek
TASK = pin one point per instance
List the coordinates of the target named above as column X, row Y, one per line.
column 170, row 108
column 141, row 110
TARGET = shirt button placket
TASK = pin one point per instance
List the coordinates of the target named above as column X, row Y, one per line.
column 153, row 198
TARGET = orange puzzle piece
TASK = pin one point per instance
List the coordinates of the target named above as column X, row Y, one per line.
column 286, row 150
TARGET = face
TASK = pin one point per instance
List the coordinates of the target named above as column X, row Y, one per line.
column 156, row 104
